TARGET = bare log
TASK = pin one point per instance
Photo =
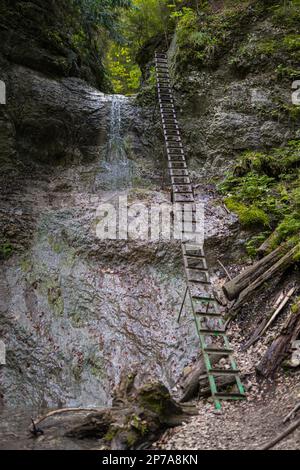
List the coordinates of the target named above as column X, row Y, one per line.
column 281, row 436
column 195, row 383
column 233, row 288
column 276, row 353
column 190, row 383
column 282, row 264
column 38, row 420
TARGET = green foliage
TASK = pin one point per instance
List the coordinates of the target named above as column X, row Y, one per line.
column 281, row 48
column 146, row 19
column 256, row 51
column 255, row 242
column 124, row 72
column 102, row 13
column 264, row 189
column 6, row 250
column 287, row 13
column 290, row 73
column 203, row 34
column 249, row 215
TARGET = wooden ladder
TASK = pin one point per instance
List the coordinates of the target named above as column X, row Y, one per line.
column 210, row 327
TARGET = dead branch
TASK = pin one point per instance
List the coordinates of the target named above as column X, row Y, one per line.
column 64, row 410
column 257, row 332
column 279, row 438
column 225, row 270
column 292, row 413
column 279, row 309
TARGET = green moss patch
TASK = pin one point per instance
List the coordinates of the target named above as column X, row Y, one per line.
column 264, row 191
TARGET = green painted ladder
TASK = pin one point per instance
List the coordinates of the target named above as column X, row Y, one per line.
column 208, row 319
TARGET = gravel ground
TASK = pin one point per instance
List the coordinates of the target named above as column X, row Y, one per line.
column 240, row 425
column 248, row 424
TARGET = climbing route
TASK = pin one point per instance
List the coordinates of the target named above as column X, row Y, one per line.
column 214, row 344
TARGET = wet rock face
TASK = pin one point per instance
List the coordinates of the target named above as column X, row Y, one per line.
column 235, row 101
column 226, row 117
column 54, row 121
column 77, row 311
column 43, row 36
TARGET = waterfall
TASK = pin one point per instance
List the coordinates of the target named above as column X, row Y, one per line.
column 117, row 166
column 115, row 148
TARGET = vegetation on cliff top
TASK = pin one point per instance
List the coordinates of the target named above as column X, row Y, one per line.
column 205, row 35
column 264, row 190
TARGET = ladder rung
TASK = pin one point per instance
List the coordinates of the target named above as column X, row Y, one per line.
column 180, row 180
column 179, row 172
column 194, row 251
column 207, row 331
column 209, row 314
column 172, row 139
column 194, row 268
column 217, row 351
column 229, row 396
column 176, row 158
column 214, row 371
column 181, row 186
column 175, row 166
column 185, row 198
column 198, row 281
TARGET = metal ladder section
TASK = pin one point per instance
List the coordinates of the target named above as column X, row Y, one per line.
column 209, row 323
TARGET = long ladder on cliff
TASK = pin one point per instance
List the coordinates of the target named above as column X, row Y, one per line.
column 210, row 327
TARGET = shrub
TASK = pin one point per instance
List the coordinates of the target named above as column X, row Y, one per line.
column 264, row 189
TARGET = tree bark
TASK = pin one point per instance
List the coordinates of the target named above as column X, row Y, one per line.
column 234, row 287
column 195, row 384
column 277, row 352
column 136, row 419
column 264, row 248
column 280, row 266
column 266, row 322
column 190, row 383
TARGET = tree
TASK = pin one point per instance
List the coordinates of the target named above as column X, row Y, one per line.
column 102, row 14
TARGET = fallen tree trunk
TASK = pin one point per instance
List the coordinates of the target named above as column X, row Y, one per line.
column 195, row 384
column 265, row 247
column 276, row 353
column 282, row 264
column 266, row 322
column 234, row 287
column 190, row 383
column 136, row 419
